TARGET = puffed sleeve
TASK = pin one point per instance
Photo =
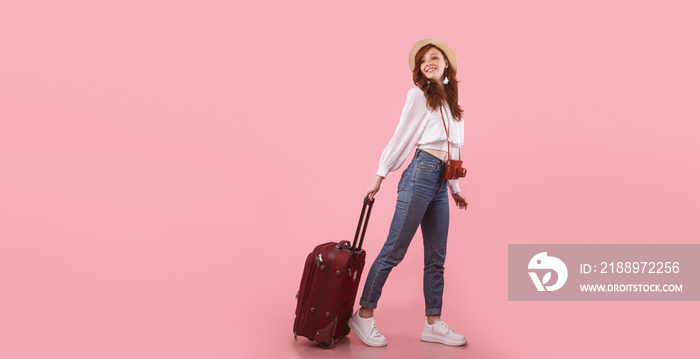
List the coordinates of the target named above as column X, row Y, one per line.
column 453, row 185
column 411, row 125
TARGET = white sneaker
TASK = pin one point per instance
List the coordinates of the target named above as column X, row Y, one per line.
column 441, row 333
column 366, row 330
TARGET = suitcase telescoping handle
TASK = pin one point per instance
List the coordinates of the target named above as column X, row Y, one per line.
column 366, row 206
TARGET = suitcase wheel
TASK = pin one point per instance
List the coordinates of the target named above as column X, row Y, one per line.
column 327, row 345
column 347, row 331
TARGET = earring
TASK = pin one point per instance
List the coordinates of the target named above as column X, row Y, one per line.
column 446, row 80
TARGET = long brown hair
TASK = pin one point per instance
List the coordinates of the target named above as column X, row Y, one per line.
column 435, row 94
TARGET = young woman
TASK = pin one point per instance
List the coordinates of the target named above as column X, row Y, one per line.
column 430, row 112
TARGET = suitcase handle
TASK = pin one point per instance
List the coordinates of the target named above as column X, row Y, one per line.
column 366, row 206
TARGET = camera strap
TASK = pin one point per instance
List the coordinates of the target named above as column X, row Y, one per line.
column 446, row 126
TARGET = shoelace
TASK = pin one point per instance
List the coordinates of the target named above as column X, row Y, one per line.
column 375, row 332
column 448, row 330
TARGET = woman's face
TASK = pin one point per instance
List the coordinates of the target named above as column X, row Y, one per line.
column 433, row 65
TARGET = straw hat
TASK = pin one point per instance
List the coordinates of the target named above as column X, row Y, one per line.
column 451, row 57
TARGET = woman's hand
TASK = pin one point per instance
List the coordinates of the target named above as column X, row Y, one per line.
column 460, row 201
column 373, row 187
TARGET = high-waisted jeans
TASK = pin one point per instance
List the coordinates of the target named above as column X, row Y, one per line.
column 422, row 200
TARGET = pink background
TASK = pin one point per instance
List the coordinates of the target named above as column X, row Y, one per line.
column 167, row 166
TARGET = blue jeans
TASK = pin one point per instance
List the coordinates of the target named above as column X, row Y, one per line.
column 422, row 199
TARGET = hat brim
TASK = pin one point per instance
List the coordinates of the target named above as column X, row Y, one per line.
column 451, row 57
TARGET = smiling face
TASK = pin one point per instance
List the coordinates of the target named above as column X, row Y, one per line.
column 433, row 65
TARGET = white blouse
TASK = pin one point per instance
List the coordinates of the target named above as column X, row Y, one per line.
column 422, row 127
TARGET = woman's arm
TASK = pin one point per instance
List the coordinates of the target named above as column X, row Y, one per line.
column 411, row 125
column 374, row 187
column 460, row 201
column 455, row 150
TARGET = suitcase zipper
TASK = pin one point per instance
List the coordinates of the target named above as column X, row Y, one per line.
column 305, row 305
column 322, row 296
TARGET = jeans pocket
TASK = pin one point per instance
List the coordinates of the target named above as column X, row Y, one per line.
column 405, row 176
column 428, row 166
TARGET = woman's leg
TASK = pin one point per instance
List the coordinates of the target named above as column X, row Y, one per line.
column 417, row 188
column 435, row 225
column 366, row 312
column 403, row 227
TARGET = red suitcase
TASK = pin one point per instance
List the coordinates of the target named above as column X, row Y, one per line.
column 329, row 285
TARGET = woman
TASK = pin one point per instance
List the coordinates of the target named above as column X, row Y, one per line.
column 430, row 112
